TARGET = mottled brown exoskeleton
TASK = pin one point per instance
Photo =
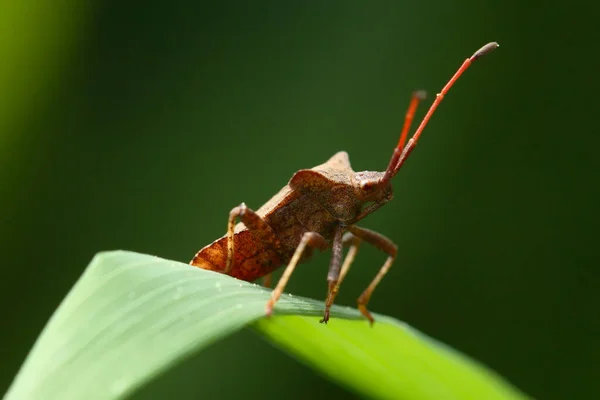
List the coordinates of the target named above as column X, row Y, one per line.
column 317, row 209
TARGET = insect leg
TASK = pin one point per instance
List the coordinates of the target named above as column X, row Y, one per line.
column 334, row 282
column 253, row 222
column 311, row 239
column 387, row 246
column 267, row 280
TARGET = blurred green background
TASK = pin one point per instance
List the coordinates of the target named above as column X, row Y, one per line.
column 130, row 126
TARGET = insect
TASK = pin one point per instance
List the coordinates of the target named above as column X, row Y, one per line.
column 318, row 209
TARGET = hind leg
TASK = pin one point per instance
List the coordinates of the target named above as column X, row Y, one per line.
column 254, row 223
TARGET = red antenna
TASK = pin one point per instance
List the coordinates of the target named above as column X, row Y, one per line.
column 402, row 152
column 416, row 98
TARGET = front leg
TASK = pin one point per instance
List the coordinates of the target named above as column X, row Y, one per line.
column 387, row 246
column 253, row 222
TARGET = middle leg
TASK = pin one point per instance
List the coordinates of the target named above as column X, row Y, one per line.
column 337, row 275
column 309, row 239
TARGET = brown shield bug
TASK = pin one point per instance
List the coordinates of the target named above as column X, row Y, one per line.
column 318, row 209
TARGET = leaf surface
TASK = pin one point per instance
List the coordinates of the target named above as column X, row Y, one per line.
column 132, row 316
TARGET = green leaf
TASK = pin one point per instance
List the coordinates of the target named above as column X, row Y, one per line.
column 389, row 361
column 132, row 316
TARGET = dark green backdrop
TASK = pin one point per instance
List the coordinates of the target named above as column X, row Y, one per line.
column 139, row 126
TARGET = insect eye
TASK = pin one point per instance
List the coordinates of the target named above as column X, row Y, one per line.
column 366, row 186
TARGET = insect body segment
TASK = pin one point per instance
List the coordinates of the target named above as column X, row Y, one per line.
column 318, row 209
column 268, row 238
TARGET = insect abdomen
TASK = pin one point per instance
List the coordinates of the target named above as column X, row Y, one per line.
column 251, row 259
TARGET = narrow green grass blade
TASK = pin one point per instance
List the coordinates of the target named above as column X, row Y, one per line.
column 387, row 361
column 132, row 316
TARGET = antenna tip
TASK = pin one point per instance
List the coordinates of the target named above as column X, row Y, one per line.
column 484, row 50
column 420, row 94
